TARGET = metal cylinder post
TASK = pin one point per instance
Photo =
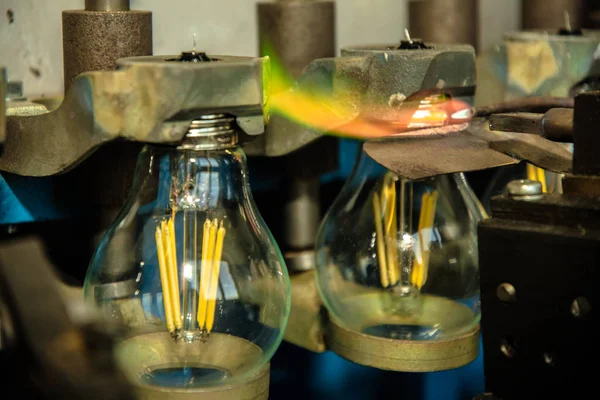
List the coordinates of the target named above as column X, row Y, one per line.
column 107, row 5
column 550, row 14
column 297, row 31
column 444, row 21
column 302, row 213
column 94, row 40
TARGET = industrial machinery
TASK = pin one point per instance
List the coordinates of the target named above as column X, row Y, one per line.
column 429, row 249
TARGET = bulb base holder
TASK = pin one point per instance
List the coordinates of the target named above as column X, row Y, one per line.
column 147, row 352
column 403, row 355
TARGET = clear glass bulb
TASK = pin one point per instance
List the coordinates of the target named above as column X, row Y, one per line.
column 192, row 272
column 398, row 258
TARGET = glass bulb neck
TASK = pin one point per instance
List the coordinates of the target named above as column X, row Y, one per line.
column 211, row 132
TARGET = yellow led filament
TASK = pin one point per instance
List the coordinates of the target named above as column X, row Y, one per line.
column 167, row 263
column 212, row 250
column 426, row 219
column 386, row 229
column 537, row 174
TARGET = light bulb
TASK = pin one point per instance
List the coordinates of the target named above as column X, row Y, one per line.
column 190, row 269
column 397, row 259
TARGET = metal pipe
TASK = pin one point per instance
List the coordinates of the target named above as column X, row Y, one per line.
column 107, row 5
column 444, row 21
column 94, row 40
column 550, row 14
column 297, row 31
column 302, row 213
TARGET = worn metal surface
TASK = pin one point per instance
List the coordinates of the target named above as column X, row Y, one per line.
column 518, row 122
column 102, row 106
column 536, row 346
column 107, row 5
column 555, row 124
column 578, row 212
column 297, row 31
column 306, row 323
column 561, row 62
column 369, row 78
column 558, row 125
column 140, row 354
column 461, row 148
column 94, row 40
column 63, row 360
column 445, row 21
column 530, row 104
column 403, row 355
column 444, row 150
column 385, row 72
column 550, row 14
column 585, row 134
column 105, row 105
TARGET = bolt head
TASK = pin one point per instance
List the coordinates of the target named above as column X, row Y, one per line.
column 580, row 307
column 525, row 189
column 506, row 292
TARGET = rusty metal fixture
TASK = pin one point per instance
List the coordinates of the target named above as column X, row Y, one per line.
column 447, row 150
column 371, row 77
column 532, row 105
column 555, row 124
column 392, row 72
column 562, row 65
column 297, row 31
column 463, row 148
column 120, row 109
column 445, row 21
column 94, row 40
column 550, row 14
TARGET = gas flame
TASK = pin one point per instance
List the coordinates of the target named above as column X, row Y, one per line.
column 339, row 115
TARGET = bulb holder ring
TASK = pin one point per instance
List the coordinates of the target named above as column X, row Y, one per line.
column 142, row 353
column 403, row 355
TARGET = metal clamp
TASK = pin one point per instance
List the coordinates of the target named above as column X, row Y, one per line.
column 149, row 99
